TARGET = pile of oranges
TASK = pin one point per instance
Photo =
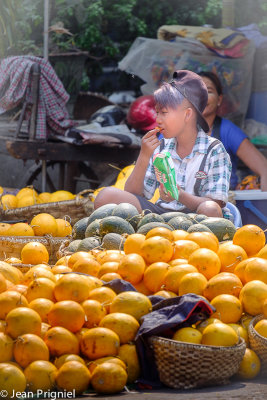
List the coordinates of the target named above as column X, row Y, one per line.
column 28, row 197
column 42, row 224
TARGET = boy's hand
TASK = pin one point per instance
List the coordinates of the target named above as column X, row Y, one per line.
column 164, row 195
column 149, row 143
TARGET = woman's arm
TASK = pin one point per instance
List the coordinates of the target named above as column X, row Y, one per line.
column 135, row 182
column 253, row 158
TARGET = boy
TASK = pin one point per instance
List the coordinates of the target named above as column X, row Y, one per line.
column 202, row 165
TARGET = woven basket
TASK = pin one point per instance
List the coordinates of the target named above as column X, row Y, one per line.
column 186, row 366
column 11, row 246
column 258, row 343
column 76, row 209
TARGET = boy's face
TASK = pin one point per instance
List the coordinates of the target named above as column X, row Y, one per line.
column 171, row 121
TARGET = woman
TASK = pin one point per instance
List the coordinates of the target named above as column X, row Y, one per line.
column 233, row 138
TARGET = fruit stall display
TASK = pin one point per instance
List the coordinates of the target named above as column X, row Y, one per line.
column 63, row 328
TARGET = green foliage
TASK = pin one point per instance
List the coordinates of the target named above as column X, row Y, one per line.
column 251, row 11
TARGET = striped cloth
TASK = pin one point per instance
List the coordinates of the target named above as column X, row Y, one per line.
column 215, row 184
column 15, row 85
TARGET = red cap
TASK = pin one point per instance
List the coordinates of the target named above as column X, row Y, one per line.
column 142, row 113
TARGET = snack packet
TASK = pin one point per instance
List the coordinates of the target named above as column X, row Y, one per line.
column 165, row 173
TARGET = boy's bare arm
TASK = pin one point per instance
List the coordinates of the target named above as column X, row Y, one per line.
column 135, row 182
column 192, row 202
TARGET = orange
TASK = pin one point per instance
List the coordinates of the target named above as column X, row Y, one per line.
column 44, row 197
column 13, row 260
column 125, row 325
column 8, row 201
column 11, row 300
column 68, row 314
column 108, row 267
column 109, row 255
column 67, row 357
column 188, row 335
column 40, row 375
column 133, row 303
column 61, row 341
column 40, row 287
column 1, row 190
column 194, row 282
column 44, row 224
column 63, row 261
column 250, row 365
column 20, row 229
column 27, row 191
column 44, row 328
column 100, row 342
column 241, row 332
column 23, row 320
column 264, row 308
column 29, row 348
column 63, row 227
column 12, row 380
column 162, row 232
column 87, row 266
column 141, row 287
column 10, row 273
column 34, row 253
column 4, row 228
column 78, row 256
column 206, row 261
column 228, row 308
column 256, row 269
column 230, row 255
column 27, row 200
column 223, row 283
column 167, row 294
column 157, row 248
column 128, row 354
column 205, row 240
column 245, row 320
column 6, row 348
column 73, row 287
column 174, row 275
column 115, row 360
column 261, row 327
column 263, row 252
column 73, row 376
column 177, row 261
column 61, row 195
column 108, row 378
column 251, row 238
column 60, row 269
column 202, row 325
column 154, row 276
column 94, row 312
column 131, row 268
column 219, row 334
column 42, row 307
column 183, row 248
column 179, row 234
column 38, row 272
column 240, row 269
column 110, row 276
column 3, row 285
column 252, row 297
column 133, row 243
column 104, row 295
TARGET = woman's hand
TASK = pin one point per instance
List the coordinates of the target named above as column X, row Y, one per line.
column 149, row 143
column 164, row 195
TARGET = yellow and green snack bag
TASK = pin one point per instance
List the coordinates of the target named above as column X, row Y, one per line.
column 165, row 173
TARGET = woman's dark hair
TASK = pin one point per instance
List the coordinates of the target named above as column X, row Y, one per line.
column 214, row 79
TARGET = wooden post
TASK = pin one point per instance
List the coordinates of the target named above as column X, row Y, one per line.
column 228, row 13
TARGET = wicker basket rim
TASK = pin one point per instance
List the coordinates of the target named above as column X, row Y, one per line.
column 253, row 322
column 195, row 346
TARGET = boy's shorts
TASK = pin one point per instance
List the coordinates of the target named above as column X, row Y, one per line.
column 147, row 206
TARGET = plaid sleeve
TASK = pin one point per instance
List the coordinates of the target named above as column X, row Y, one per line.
column 218, row 168
column 150, row 181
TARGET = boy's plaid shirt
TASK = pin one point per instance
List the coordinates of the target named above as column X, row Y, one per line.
column 218, row 168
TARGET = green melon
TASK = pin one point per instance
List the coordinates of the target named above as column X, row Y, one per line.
column 73, row 246
column 147, row 227
column 115, row 225
column 113, row 241
column 221, row 227
column 79, row 228
column 125, row 211
column 198, row 228
column 88, row 244
column 93, row 228
column 180, row 223
column 200, row 217
column 101, row 212
column 151, row 217
column 171, row 214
